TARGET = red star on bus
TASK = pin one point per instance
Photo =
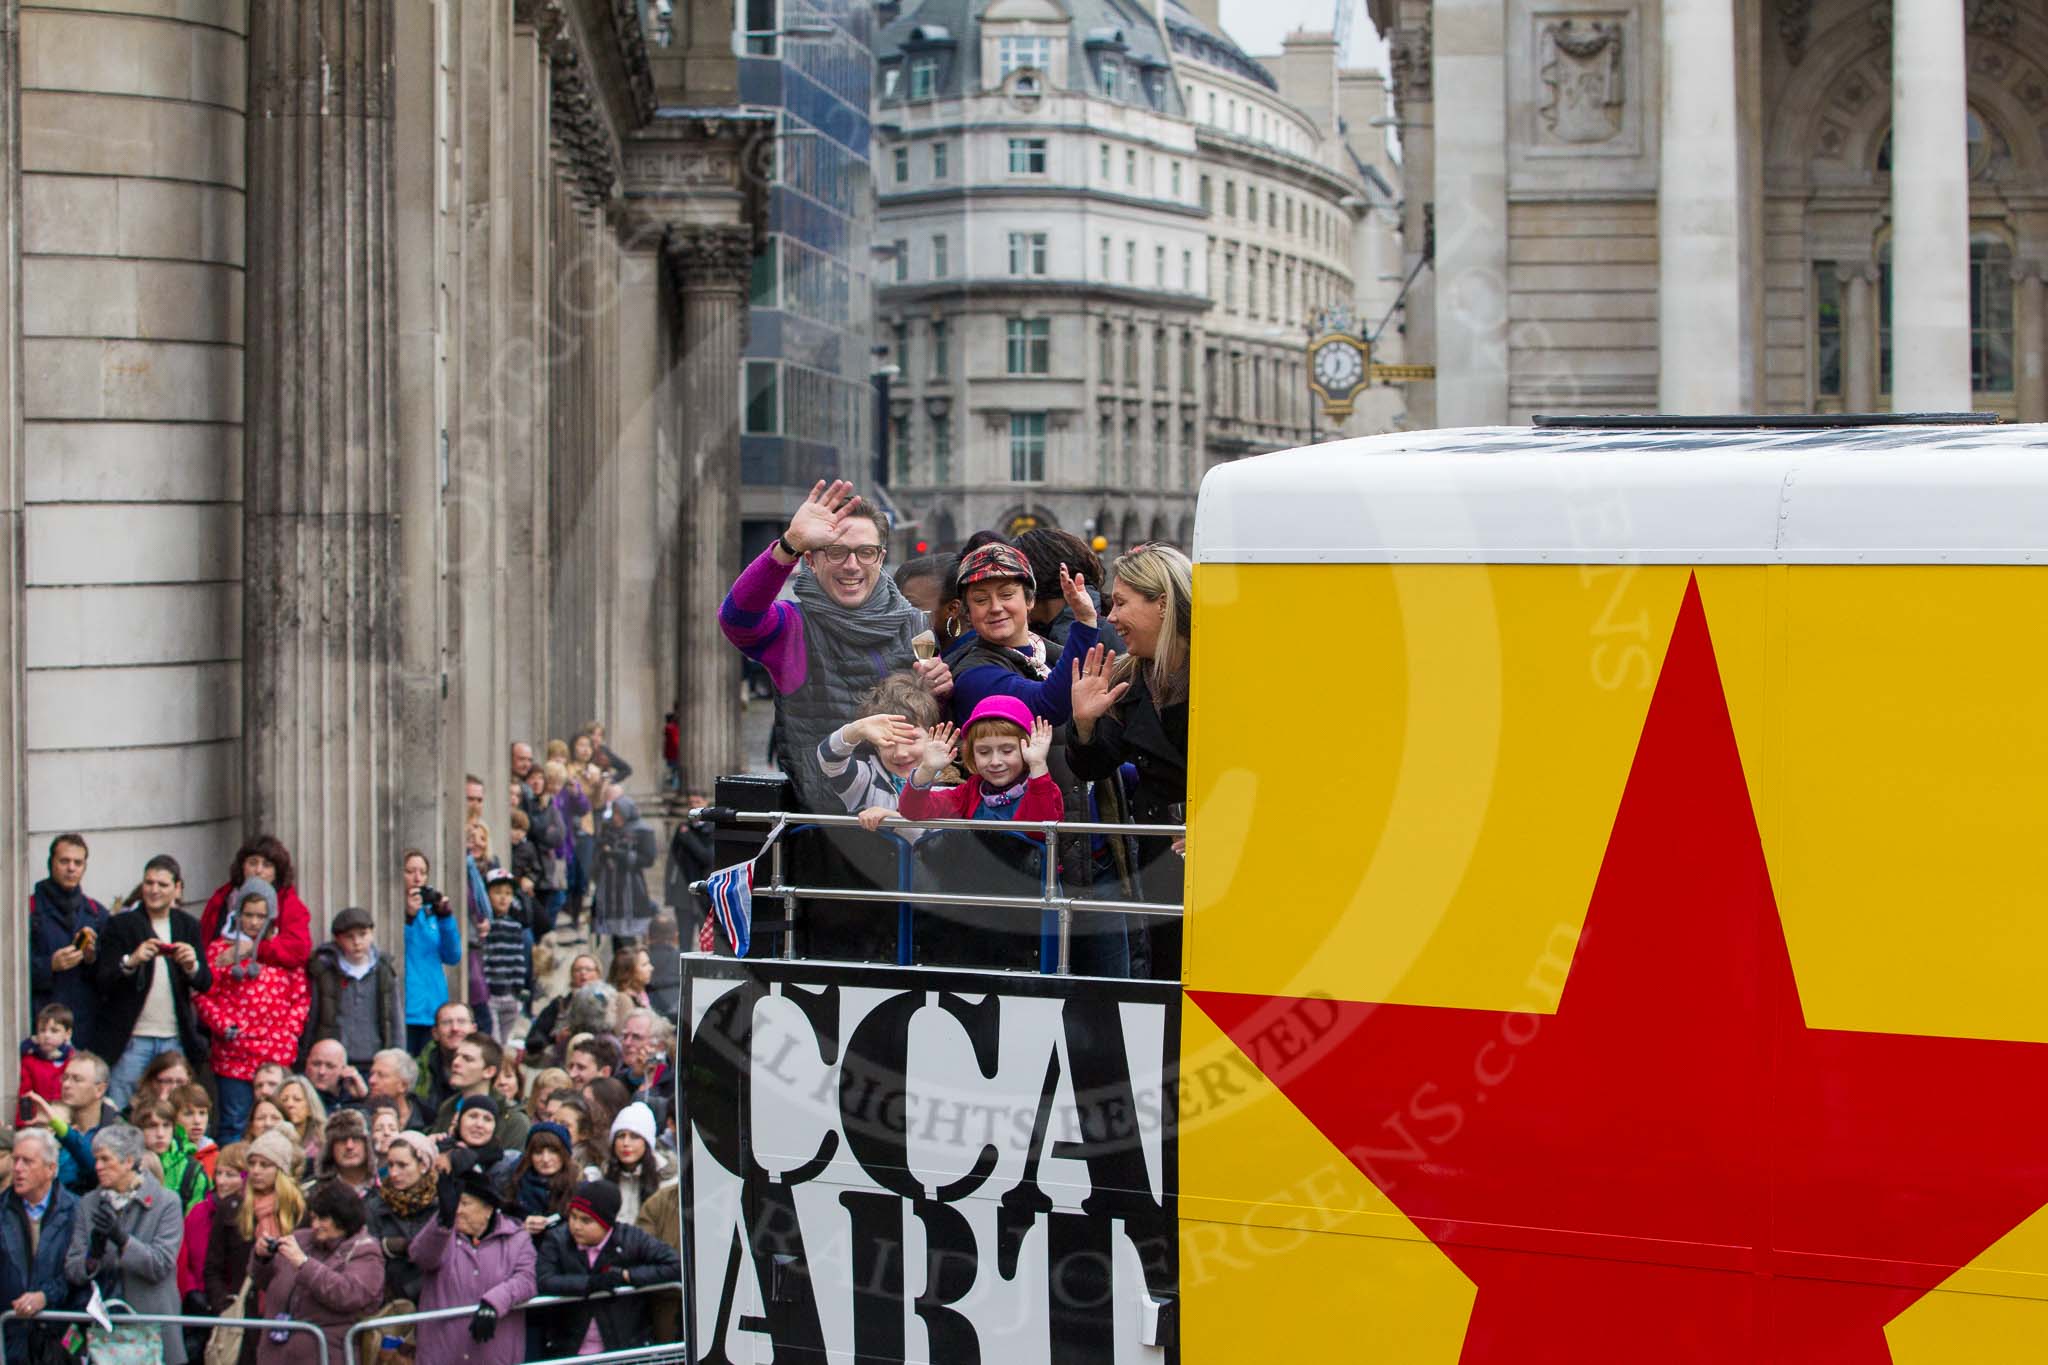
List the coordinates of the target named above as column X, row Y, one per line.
column 1673, row 1166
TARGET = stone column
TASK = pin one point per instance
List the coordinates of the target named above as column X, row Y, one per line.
column 1409, row 57
column 14, row 856
column 131, row 152
column 2030, row 341
column 1859, row 336
column 1703, row 365
column 1930, row 209
column 643, row 625
column 712, row 267
column 1469, row 60
column 320, row 523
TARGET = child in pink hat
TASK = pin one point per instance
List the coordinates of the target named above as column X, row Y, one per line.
column 1003, row 748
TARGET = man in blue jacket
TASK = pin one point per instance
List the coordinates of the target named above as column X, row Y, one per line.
column 35, row 1231
column 64, row 925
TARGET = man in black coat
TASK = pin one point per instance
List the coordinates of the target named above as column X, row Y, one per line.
column 151, row 964
column 624, row 1256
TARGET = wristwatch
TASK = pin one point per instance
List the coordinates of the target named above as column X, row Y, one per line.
column 787, row 548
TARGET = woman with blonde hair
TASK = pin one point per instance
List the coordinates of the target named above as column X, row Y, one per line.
column 1134, row 709
column 270, row 1208
column 304, row 1110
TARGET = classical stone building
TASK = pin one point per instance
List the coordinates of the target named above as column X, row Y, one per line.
column 371, row 393
column 1106, row 227
column 1774, row 223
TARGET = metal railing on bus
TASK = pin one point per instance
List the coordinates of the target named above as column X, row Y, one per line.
column 1050, row 900
column 538, row 1302
column 126, row 1318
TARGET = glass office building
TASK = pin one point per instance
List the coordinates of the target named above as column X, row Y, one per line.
column 807, row 409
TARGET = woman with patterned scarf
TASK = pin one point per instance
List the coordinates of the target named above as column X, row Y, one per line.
column 400, row 1207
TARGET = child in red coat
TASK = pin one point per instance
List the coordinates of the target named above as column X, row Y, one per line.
column 256, row 1011
column 44, row 1056
column 1005, row 748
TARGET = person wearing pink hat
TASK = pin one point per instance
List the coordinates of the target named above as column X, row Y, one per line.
column 1003, row 748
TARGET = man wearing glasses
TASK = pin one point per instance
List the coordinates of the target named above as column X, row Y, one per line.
column 847, row 629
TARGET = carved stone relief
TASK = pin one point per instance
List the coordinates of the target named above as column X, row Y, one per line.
column 1584, row 75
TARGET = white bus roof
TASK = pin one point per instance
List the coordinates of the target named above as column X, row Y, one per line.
column 1571, row 495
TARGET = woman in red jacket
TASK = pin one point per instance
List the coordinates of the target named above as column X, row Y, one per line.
column 266, row 858
column 257, row 1008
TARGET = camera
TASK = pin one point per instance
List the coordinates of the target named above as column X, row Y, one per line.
column 432, row 900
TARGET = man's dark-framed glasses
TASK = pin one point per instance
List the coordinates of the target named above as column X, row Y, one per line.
column 866, row 554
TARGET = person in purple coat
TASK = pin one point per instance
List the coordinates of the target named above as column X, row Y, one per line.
column 849, row 627
column 471, row 1253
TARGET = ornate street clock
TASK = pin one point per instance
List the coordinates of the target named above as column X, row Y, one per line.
column 1339, row 366
column 1340, row 362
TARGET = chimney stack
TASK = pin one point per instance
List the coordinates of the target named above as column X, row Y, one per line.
column 1307, row 71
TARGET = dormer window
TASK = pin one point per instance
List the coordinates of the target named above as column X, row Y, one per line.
column 924, row 77
column 1021, row 52
column 892, row 77
column 1112, row 78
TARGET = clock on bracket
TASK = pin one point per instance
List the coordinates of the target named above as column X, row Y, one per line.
column 1339, row 365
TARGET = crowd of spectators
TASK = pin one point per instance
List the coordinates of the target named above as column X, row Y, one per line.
column 229, row 1115
column 233, row 1114
column 995, row 684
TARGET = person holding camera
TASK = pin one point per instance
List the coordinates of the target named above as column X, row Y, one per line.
column 433, row 940
column 328, row 1273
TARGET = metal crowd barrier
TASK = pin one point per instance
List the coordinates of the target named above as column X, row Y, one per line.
column 126, row 1318
column 1050, row 900
column 382, row 1326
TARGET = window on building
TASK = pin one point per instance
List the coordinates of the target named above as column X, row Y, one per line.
column 1130, row 261
column 1030, row 345
column 1827, row 330
column 1230, row 115
column 1173, row 178
column 1102, row 162
column 1105, row 352
column 1187, row 270
column 1991, row 316
column 939, row 161
column 1112, row 79
column 1187, row 362
column 1230, row 281
column 942, row 447
column 1251, row 285
column 942, row 349
column 764, row 398
column 1258, row 388
column 761, row 287
column 1206, row 192
column 1131, row 354
column 1159, row 451
column 899, row 445
column 1272, row 210
column 762, row 27
column 1230, row 199
column 902, row 260
column 1272, row 290
column 1131, row 167
column 1131, row 451
column 941, row 267
column 892, row 76
column 901, row 158
column 1289, row 217
column 924, row 77
column 1027, row 156
column 1027, row 253
column 1212, row 107
column 1027, row 447
column 1018, row 52
column 1159, row 267
column 1251, row 203
column 899, row 336
column 1161, row 367
column 1102, row 257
